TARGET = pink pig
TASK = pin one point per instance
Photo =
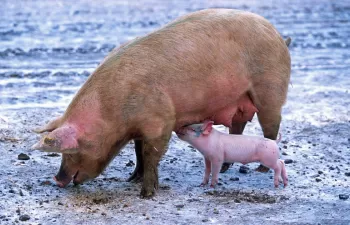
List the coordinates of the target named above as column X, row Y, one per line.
column 218, row 147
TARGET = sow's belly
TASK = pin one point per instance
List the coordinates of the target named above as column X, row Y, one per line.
column 242, row 111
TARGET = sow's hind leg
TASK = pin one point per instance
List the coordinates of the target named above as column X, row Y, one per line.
column 273, row 95
column 237, row 128
column 245, row 112
column 270, row 120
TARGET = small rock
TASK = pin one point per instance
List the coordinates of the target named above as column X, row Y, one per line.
column 46, row 182
column 331, row 168
column 347, row 174
column 288, row 161
column 284, row 153
column 53, row 154
column 23, row 156
column 59, row 203
column 179, row 206
column 318, row 179
column 24, row 217
column 130, row 163
column 343, row 196
column 243, row 169
column 237, row 201
column 320, row 172
column 234, row 179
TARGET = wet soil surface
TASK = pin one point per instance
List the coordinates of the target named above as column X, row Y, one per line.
column 47, row 51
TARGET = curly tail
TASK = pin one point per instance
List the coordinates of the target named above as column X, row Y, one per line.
column 288, row 41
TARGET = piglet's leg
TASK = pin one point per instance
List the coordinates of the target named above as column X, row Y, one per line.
column 284, row 173
column 207, row 171
column 215, row 169
column 278, row 170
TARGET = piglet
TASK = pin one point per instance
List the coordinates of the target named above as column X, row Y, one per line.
column 218, row 147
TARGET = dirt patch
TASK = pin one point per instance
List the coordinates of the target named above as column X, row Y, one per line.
column 239, row 196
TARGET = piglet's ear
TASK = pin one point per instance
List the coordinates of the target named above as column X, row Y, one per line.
column 207, row 127
column 62, row 140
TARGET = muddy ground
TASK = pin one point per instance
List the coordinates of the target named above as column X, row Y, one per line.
column 47, row 50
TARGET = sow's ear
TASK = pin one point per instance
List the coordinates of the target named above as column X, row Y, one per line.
column 49, row 127
column 62, row 140
column 207, row 127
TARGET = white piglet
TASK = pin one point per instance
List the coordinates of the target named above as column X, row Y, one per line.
column 218, row 147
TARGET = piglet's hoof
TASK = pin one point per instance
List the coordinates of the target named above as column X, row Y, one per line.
column 262, row 169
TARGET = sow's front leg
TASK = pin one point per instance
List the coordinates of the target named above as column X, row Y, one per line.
column 237, row 128
column 153, row 150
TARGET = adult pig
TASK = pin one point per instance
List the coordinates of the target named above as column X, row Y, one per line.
column 220, row 64
column 218, row 147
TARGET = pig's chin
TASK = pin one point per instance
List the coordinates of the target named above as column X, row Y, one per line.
column 80, row 177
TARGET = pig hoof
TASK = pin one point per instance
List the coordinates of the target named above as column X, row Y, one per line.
column 225, row 167
column 136, row 178
column 262, row 169
column 147, row 193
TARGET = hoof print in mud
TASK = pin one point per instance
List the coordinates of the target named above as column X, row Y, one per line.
column 252, row 197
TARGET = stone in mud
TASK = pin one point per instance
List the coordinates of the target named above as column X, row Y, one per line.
column 343, row 196
column 23, row 156
column 130, row 163
column 244, row 169
column 24, row 217
column 288, row 161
